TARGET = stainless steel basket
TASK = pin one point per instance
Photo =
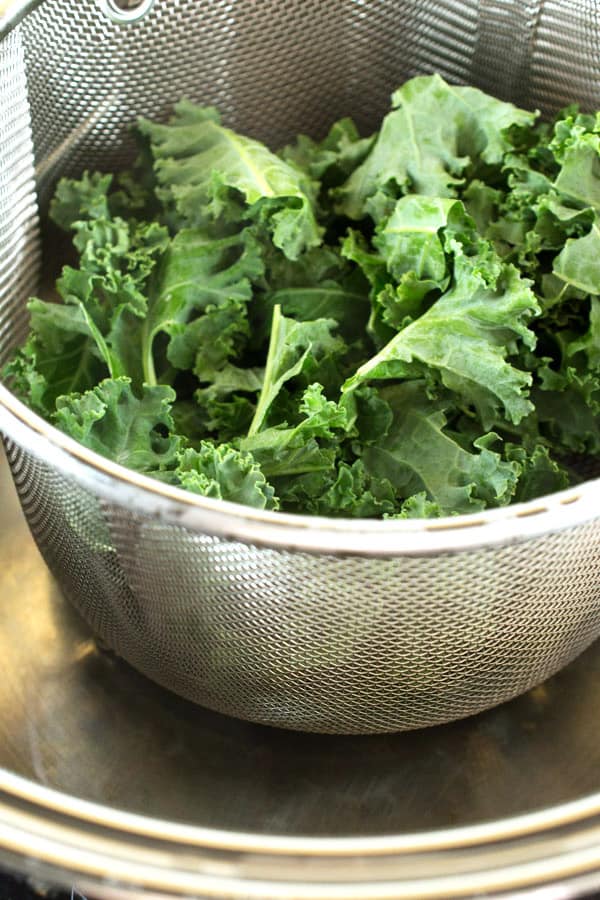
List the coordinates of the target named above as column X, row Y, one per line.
column 305, row 623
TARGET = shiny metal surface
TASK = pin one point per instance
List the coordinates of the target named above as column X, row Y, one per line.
column 247, row 811
column 317, row 625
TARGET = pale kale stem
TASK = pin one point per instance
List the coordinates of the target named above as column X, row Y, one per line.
column 147, row 356
column 264, row 399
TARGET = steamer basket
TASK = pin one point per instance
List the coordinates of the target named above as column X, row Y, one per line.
column 304, row 623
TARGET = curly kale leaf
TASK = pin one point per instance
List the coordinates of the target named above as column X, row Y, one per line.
column 224, row 473
column 199, row 163
column 296, row 349
column 420, row 454
column 111, row 420
column 197, row 273
column 224, row 330
column 435, row 134
column 465, row 337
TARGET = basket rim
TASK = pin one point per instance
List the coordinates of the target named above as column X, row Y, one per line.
column 171, row 505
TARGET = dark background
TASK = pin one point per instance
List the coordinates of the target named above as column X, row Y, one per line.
column 16, row 889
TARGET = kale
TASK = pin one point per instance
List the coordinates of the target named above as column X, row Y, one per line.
column 400, row 325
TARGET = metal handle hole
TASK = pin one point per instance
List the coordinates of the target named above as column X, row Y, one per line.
column 126, row 11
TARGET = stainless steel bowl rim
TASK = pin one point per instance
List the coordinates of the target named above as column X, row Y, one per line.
column 103, row 845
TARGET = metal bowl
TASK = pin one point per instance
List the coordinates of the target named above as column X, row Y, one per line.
column 114, row 785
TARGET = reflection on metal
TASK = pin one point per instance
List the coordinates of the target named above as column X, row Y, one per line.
column 190, row 803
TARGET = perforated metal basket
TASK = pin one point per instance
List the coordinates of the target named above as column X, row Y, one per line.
column 300, row 622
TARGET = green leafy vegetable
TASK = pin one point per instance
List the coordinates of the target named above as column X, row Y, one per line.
column 420, row 454
column 295, row 348
column 199, row 163
column 112, row 421
column 403, row 325
column 225, row 473
column 465, row 337
column 433, row 134
column 196, row 272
